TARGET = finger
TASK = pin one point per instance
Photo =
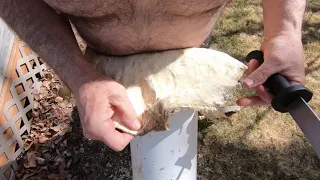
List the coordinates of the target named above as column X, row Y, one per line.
column 264, row 94
column 259, row 76
column 293, row 83
column 249, row 70
column 128, row 115
column 250, row 101
column 113, row 138
column 254, row 64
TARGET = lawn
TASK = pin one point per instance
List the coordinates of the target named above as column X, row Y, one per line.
column 259, row 143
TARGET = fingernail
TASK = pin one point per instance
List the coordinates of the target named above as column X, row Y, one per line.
column 137, row 124
column 248, row 82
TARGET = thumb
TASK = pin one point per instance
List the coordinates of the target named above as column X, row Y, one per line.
column 126, row 113
column 259, row 76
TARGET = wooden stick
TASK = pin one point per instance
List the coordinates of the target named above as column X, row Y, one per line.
column 125, row 129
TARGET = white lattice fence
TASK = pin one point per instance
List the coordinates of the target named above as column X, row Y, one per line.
column 20, row 78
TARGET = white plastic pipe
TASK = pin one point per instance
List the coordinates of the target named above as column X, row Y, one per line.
column 167, row 154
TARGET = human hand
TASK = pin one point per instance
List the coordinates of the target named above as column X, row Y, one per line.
column 100, row 102
column 283, row 54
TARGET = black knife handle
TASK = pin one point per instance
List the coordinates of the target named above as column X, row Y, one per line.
column 280, row 88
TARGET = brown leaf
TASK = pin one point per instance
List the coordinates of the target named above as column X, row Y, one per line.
column 35, row 127
column 206, row 141
column 64, row 91
column 56, row 141
column 69, row 163
column 37, row 97
column 75, row 178
column 58, row 99
column 67, row 153
column 45, row 84
column 29, row 146
column 52, row 177
column 36, row 105
column 35, row 113
column 48, row 76
column 56, row 128
column 40, row 160
column 31, row 160
column 62, row 165
column 63, row 104
column 43, row 139
column 25, row 177
column 65, row 142
column 43, row 129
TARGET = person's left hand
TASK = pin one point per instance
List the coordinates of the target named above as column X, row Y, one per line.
column 283, row 54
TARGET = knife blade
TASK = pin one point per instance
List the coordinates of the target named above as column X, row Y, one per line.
column 292, row 99
column 307, row 120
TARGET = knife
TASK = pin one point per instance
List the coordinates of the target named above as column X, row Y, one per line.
column 292, row 99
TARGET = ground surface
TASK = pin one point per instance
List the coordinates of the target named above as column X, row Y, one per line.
column 257, row 143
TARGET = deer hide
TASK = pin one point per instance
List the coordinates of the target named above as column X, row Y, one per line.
column 160, row 84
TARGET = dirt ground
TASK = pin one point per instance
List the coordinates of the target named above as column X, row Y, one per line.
column 256, row 143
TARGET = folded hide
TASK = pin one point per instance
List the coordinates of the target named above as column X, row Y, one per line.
column 162, row 83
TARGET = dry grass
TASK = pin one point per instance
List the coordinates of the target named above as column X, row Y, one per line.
column 260, row 143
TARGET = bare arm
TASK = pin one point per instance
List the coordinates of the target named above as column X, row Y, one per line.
column 282, row 48
column 100, row 100
column 48, row 34
column 282, row 16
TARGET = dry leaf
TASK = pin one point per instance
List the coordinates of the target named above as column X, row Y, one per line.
column 52, row 177
column 64, row 91
column 52, row 117
column 75, row 178
column 69, row 163
column 36, row 105
column 45, row 84
column 36, row 97
column 48, row 76
column 56, row 128
column 62, row 165
column 43, row 139
column 29, row 146
column 206, row 141
column 40, row 160
column 35, row 113
column 58, row 99
column 31, row 160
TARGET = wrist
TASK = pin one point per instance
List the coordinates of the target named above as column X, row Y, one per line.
column 78, row 80
column 285, row 32
column 284, row 36
column 79, row 74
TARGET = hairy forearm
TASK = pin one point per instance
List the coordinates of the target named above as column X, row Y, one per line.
column 282, row 16
column 48, row 34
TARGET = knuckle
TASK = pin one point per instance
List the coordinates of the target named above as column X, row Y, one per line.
column 262, row 74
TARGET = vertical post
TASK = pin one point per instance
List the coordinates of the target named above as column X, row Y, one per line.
column 168, row 154
column 6, row 42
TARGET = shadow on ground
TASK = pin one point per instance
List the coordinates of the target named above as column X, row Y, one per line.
column 216, row 159
column 95, row 160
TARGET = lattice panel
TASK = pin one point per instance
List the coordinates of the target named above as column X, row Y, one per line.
column 16, row 117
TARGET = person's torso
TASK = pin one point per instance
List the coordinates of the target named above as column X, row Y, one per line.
column 121, row 27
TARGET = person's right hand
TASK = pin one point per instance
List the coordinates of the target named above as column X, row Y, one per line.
column 100, row 102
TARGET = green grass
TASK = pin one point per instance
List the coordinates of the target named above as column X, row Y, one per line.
column 259, row 143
